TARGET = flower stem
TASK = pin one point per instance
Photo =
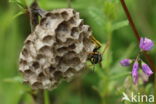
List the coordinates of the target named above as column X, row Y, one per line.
column 136, row 33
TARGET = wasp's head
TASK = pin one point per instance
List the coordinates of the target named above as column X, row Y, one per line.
column 95, row 58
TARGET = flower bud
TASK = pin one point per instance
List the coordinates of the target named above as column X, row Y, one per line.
column 135, row 72
column 146, row 69
column 125, row 62
column 146, row 44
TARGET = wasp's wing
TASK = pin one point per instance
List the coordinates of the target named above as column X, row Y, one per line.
column 95, row 41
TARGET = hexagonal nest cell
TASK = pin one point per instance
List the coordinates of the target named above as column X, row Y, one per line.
column 57, row 49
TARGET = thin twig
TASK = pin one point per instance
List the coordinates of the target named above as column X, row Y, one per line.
column 136, row 33
column 33, row 16
column 130, row 20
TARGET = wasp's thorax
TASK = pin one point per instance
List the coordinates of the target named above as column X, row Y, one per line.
column 95, row 57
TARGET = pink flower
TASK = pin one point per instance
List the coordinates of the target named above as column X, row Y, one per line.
column 135, row 72
column 146, row 44
column 125, row 62
column 146, row 69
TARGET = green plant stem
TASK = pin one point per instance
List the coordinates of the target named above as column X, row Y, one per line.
column 46, row 97
column 38, row 96
column 69, row 3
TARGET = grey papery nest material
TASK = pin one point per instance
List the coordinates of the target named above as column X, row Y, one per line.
column 57, row 49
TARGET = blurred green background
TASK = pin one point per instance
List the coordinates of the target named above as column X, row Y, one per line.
column 99, row 86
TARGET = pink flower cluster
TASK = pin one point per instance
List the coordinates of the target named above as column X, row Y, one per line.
column 145, row 45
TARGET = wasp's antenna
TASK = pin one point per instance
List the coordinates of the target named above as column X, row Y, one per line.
column 106, row 47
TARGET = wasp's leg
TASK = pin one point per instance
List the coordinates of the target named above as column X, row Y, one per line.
column 96, row 49
column 94, row 68
column 90, row 66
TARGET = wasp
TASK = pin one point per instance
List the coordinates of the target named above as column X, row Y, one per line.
column 95, row 57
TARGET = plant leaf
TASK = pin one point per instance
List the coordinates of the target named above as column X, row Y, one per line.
column 120, row 25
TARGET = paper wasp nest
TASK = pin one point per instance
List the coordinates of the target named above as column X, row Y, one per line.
column 57, row 49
